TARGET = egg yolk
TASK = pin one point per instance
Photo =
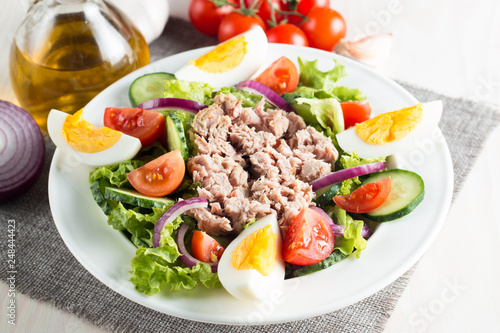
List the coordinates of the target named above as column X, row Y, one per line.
column 390, row 126
column 257, row 251
column 224, row 57
column 87, row 138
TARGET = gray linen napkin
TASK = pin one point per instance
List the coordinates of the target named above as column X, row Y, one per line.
column 47, row 271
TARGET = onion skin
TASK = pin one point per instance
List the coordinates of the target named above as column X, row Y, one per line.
column 272, row 97
column 174, row 103
column 22, row 151
column 348, row 173
column 173, row 212
column 186, row 258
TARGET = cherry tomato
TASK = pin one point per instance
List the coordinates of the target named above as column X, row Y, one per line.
column 206, row 17
column 264, row 11
column 145, row 125
column 366, row 198
column 324, row 28
column 236, row 23
column 304, row 7
column 205, row 248
column 355, row 112
column 309, row 239
column 287, row 34
column 281, row 76
column 159, row 177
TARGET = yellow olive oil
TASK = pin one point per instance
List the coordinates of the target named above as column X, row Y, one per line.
column 69, row 62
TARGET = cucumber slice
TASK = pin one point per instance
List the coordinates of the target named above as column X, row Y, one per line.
column 176, row 138
column 135, row 198
column 407, row 192
column 148, row 86
column 97, row 193
column 324, row 196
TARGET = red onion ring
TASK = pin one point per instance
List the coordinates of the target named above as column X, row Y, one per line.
column 186, row 258
column 173, row 103
column 22, row 151
column 272, row 97
column 173, row 212
column 348, row 173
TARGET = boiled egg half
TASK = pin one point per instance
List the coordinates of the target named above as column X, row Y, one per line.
column 88, row 144
column 231, row 62
column 392, row 132
column 251, row 267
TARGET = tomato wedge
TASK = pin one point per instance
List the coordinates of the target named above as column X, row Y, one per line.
column 366, row 198
column 309, row 239
column 159, row 177
column 355, row 112
column 281, row 76
column 145, row 125
column 205, row 248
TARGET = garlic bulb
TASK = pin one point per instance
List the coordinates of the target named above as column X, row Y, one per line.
column 150, row 16
column 371, row 50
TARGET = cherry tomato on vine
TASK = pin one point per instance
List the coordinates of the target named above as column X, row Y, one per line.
column 287, row 34
column 206, row 16
column 304, row 7
column 236, row 23
column 281, row 76
column 264, row 11
column 324, row 28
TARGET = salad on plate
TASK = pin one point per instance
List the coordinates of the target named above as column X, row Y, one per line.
column 235, row 173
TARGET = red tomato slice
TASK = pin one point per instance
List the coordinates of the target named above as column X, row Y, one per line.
column 159, row 177
column 309, row 239
column 355, row 112
column 366, row 198
column 204, row 247
column 281, row 76
column 145, row 125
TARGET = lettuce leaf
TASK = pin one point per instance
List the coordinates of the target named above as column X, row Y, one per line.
column 195, row 91
column 157, row 268
column 325, row 112
column 352, row 241
column 322, row 85
column 311, row 76
column 115, row 174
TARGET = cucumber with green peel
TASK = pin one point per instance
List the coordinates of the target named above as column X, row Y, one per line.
column 148, row 86
column 324, row 196
column 176, row 137
column 135, row 198
column 97, row 188
column 407, row 192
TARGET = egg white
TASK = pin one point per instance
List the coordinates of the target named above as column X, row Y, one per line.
column 350, row 142
column 124, row 149
column 252, row 61
column 249, row 285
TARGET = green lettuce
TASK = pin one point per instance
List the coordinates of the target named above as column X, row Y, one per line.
column 195, row 91
column 326, row 113
column 115, row 174
column 322, row 85
column 157, row 268
column 352, row 241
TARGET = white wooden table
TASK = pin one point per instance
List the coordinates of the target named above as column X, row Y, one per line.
column 452, row 47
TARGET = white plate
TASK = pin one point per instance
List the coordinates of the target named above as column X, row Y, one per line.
column 391, row 251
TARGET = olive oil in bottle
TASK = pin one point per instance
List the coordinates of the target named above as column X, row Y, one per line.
column 67, row 51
